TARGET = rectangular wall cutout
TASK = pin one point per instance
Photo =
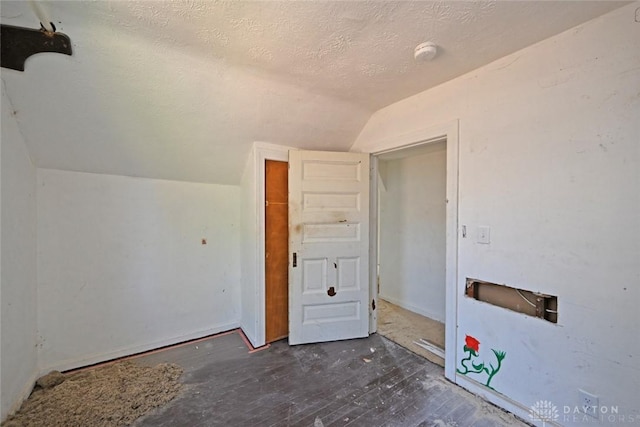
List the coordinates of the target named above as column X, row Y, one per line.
column 520, row 300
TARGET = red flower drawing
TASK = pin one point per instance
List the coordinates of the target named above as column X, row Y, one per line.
column 471, row 348
column 472, row 343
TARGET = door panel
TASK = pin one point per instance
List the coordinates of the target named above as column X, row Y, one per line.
column 276, row 251
column 329, row 235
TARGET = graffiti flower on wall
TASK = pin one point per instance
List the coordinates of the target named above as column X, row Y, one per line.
column 472, row 348
column 470, row 343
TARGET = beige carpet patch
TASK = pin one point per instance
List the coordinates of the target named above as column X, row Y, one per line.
column 109, row 396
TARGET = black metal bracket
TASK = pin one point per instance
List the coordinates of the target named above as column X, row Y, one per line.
column 19, row 43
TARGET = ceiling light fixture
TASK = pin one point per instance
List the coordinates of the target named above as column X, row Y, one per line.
column 19, row 43
column 425, row 51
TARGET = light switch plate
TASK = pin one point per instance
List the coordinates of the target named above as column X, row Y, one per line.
column 484, row 235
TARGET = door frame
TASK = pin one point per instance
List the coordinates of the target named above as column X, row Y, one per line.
column 263, row 151
column 449, row 132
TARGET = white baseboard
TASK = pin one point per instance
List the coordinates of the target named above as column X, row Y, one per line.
column 248, row 332
column 499, row 400
column 412, row 308
column 92, row 359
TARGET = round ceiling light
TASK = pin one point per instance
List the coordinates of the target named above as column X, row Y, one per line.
column 425, row 51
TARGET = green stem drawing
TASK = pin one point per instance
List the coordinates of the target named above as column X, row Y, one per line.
column 478, row 368
column 499, row 355
column 466, row 370
column 491, row 370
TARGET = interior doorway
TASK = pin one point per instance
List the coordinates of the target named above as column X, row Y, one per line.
column 412, row 246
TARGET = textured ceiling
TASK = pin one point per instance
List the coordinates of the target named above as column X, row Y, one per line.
column 180, row 89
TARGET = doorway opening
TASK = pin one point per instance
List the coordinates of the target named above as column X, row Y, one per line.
column 412, row 247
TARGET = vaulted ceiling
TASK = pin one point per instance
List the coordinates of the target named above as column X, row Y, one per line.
column 181, row 89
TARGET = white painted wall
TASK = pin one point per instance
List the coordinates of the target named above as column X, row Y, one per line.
column 550, row 160
column 412, row 232
column 122, row 269
column 18, row 364
column 249, row 293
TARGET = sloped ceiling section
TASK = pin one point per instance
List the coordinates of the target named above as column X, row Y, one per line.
column 180, row 90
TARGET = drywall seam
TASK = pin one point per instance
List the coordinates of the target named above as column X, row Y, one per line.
column 14, row 141
column 18, row 125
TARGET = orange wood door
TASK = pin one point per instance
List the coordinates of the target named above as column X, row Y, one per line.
column 276, row 250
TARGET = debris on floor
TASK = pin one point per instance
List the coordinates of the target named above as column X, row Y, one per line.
column 429, row 346
column 108, row 396
column 52, row 379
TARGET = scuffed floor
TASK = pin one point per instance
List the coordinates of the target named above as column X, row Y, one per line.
column 405, row 327
column 364, row 382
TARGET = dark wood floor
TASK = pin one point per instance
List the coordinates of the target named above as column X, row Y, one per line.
column 365, row 382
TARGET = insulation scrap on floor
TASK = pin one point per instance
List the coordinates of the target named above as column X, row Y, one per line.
column 108, row 396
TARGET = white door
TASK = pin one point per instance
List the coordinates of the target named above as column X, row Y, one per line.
column 328, row 246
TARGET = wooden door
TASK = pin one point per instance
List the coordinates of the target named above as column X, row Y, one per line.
column 276, row 250
column 329, row 244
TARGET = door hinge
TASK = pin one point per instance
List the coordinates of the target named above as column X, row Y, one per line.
column 295, row 259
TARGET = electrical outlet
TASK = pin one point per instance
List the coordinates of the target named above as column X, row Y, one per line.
column 588, row 403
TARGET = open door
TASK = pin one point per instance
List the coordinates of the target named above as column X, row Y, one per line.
column 328, row 246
